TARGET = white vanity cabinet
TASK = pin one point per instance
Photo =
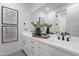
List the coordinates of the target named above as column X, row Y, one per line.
column 30, row 46
column 35, row 47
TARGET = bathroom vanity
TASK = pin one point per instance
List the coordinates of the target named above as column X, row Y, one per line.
column 49, row 47
column 63, row 19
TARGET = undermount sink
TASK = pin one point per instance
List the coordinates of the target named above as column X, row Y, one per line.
column 71, row 39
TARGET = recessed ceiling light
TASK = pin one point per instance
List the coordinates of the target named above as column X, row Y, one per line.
column 47, row 9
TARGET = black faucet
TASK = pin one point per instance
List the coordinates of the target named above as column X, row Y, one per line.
column 62, row 34
column 58, row 38
column 68, row 38
column 66, row 33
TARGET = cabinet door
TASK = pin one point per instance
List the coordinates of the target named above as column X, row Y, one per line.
column 26, row 46
column 52, row 51
column 36, row 43
column 45, row 50
column 34, row 47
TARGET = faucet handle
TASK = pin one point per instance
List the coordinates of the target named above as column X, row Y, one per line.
column 68, row 38
column 62, row 33
column 66, row 33
column 58, row 38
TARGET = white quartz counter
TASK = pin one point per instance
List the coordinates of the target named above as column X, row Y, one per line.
column 72, row 46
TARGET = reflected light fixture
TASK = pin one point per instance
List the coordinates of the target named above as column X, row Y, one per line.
column 47, row 9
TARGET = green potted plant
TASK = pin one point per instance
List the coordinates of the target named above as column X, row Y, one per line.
column 38, row 27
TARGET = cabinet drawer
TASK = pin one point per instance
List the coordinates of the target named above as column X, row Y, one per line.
column 32, row 53
column 34, row 47
column 27, row 38
column 45, row 47
column 45, row 53
column 42, row 45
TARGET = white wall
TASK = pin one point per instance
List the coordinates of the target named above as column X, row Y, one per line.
column 24, row 12
column 72, row 25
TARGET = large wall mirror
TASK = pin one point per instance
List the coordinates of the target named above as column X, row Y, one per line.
column 63, row 17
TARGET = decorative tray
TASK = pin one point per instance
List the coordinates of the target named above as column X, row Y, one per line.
column 42, row 36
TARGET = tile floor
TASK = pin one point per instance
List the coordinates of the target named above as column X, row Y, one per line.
column 20, row 53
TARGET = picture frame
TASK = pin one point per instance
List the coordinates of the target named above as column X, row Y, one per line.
column 9, row 16
column 9, row 34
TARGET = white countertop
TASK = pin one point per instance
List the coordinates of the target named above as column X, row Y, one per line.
column 72, row 46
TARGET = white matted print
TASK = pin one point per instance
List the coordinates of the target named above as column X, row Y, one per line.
column 9, row 34
column 9, row 16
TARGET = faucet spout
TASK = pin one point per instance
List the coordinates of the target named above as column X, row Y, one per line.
column 62, row 34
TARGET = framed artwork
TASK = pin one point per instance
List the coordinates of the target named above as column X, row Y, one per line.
column 9, row 16
column 9, row 34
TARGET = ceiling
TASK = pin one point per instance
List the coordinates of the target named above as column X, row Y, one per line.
column 43, row 6
column 53, row 6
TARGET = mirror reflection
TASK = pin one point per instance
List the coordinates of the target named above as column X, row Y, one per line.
column 63, row 17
